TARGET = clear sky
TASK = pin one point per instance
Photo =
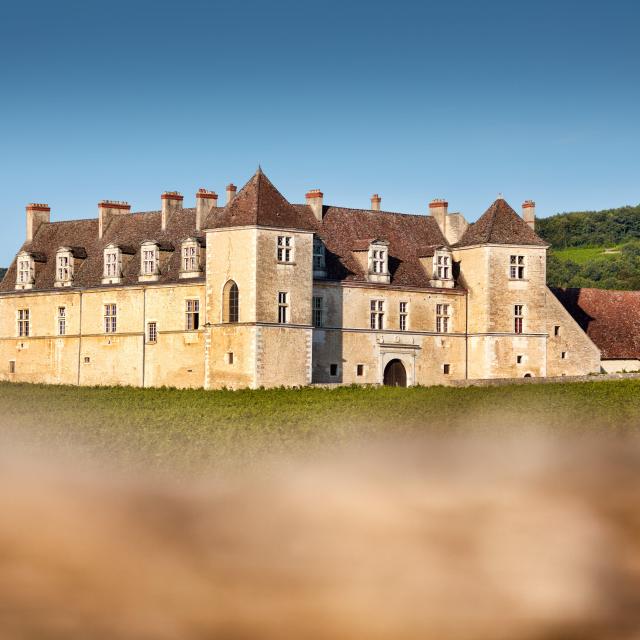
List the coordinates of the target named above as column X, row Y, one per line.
column 413, row 100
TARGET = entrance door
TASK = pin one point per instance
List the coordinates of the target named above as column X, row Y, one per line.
column 395, row 374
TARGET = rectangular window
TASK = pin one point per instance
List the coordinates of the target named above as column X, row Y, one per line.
column 64, row 268
column 556, row 330
column 283, row 307
column 379, row 260
column 24, row 323
column 12, row 366
column 443, row 267
column 318, row 311
column 152, row 332
column 443, row 317
column 377, row 315
column 404, row 312
column 148, row 261
column 518, row 317
column 446, row 369
column 111, row 264
column 193, row 315
column 360, row 370
column 319, row 262
column 62, row 321
column 285, row 249
column 24, row 270
column 516, row 268
column 519, row 359
column 190, row 258
column 333, row 370
column 563, row 355
column 87, row 359
column 110, row 318
column 230, row 357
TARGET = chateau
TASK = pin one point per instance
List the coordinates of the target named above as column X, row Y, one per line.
column 262, row 292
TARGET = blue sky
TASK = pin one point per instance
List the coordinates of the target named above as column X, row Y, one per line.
column 413, row 100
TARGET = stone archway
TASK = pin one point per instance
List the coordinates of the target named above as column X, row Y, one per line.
column 395, row 375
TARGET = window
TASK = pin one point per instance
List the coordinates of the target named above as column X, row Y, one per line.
column 443, row 267
column 404, row 312
column 360, row 370
column 318, row 311
column 443, row 316
column 230, row 302
column 190, row 256
column 149, row 259
column 319, row 255
column 193, row 315
column 62, row 321
column 230, row 357
column 87, row 359
column 563, row 355
column 378, row 260
column 285, row 249
column 12, row 366
column 519, row 359
column 112, row 263
column 516, row 270
column 283, row 307
column 518, row 316
column 333, row 370
column 446, row 369
column 64, row 266
column 25, row 270
column 110, row 318
column 377, row 314
column 24, row 321
column 556, row 330
column 152, row 332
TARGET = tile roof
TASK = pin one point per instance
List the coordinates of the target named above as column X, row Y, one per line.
column 500, row 224
column 260, row 203
column 610, row 318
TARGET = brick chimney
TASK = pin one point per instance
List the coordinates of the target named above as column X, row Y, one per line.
column 171, row 202
column 37, row 214
column 314, row 201
column 438, row 209
column 375, row 202
column 205, row 201
column 231, row 192
column 529, row 213
column 106, row 210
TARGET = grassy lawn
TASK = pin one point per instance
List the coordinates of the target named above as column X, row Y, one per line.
column 582, row 255
column 169, row 427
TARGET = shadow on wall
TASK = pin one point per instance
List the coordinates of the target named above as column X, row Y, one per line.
column 328, row 344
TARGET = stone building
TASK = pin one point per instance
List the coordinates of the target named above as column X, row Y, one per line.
column 262, row 292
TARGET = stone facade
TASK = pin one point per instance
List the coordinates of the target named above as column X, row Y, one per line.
column 265, row 293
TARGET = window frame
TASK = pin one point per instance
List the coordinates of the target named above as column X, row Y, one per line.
column 443, row 317
column 149, row 259
column 110, row 317
column 24, row 322
column 376, row 314
column 25, row 270
column 61, row 322
column 319, row 255
column 152, row 332
column 443, row 266
column 283, row 307
column 114, row 265
column 190, row 257
column 192, row 314
column 517, row 267
column 317, row 311
column 285, row 249
column 518, row 318
column 403, row 315
column 64, row 267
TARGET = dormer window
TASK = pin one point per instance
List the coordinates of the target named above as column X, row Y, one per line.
column 379, row 261
column 442, row 268
column 190, row 265
column 319, row 259
column 64, row 268
column 112, row 273
column 149, row 261
column 25, row 275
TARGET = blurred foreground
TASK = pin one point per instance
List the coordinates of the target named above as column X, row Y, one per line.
column 430, row 538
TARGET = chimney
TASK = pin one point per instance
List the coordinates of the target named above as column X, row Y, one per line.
column 205, row 201
column 106, row 210
column 37, row 214
column 314, row 201
column 375, row 202
column 231, row 192
column 171, row 202
column 529, row 213
column 438, row 209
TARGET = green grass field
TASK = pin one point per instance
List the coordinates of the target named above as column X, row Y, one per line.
column 582, row 255
column 195, row 428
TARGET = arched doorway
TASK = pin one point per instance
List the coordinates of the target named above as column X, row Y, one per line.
column 395, row 374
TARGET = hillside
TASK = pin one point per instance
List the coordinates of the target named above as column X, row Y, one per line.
column 598, row 249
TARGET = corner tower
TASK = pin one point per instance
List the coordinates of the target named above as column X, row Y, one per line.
column 259, row 290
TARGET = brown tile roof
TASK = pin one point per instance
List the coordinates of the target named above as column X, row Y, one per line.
column 500, row 224
column 260, row 203
column 409, row 236
column 610, row 318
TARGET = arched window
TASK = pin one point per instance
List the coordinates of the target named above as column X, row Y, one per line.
column 230, row 302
